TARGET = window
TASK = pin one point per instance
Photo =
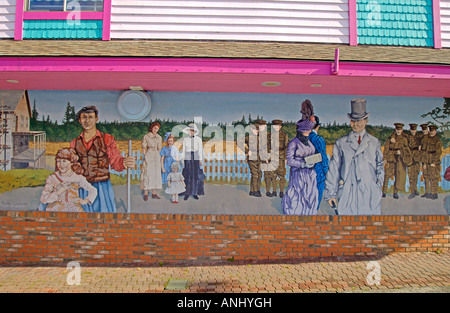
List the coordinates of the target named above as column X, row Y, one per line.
column 65, row 5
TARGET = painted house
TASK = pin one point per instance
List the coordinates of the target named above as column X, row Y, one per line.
column 15, row 134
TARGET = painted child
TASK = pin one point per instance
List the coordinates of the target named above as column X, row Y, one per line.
column 61, row 191
column 175, row 182
column 169, row 154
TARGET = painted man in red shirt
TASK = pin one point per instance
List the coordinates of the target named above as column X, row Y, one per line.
column 98, row 152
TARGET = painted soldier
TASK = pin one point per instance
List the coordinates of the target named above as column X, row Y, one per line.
column 414, row 142
column 431, row 160
column 277, row 168
column 423, row 138
column 424, row 132
column 397, row 157
column 252, row 148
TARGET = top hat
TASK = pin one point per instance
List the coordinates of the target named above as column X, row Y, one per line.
column 399, row 125
column 358, row 110
column 413, row 126
column 277, row 122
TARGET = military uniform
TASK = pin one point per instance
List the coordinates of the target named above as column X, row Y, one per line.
column 397, row 156
column 423, row 135
column 414, row 143
column 254, row 160
column 277, row 170
column 431, row 159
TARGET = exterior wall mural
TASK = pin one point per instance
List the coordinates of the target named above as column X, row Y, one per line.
column 225, row 153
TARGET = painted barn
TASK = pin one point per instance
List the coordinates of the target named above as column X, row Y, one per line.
column 19, row 146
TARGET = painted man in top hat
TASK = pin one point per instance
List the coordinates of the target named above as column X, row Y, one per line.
column 321, row 168
column 431, row 159
column 414, row 142
column 355, row 175
column 397, row 157
column 277, row 169
column 97, row 152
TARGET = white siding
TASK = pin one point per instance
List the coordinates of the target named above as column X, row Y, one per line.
column 445, row 23
column 264, row 20
column 7, row 18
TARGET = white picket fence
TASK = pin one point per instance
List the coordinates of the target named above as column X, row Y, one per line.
column 233, row 168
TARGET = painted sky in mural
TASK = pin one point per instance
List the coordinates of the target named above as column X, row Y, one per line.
column 226, row 107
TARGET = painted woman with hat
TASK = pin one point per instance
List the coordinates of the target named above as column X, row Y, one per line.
column 302, row 196
column 192, row 154
column 151, row 179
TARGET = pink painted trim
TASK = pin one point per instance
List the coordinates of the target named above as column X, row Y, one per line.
column 221, row 66
column 353, row 23
column 335, row 65
column 18, row 28
column 437, row 24
column 61, row 15
column 107, row 5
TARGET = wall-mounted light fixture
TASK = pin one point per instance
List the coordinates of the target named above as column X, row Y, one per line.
column 134, row 105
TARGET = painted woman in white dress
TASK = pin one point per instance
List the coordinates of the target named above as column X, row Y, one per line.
column 151, row 171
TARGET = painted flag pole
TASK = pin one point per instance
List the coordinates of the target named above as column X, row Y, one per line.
column 129, row 180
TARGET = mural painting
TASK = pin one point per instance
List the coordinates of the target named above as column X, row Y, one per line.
column 224, row 153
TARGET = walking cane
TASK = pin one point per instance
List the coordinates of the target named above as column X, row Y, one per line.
column 335, row 208
column 129, row 180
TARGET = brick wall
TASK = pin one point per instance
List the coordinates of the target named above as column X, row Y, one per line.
column 52, row 238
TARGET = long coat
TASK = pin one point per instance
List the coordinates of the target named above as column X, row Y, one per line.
column 355, row 175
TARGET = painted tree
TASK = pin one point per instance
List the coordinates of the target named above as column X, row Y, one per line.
column 34, row 113
column 440, row 116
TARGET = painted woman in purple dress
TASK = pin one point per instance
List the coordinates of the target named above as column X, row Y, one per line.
column 302, row 196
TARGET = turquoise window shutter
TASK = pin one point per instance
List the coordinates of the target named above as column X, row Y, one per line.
column 58, row 5
column 395, row 22
column 62, row 29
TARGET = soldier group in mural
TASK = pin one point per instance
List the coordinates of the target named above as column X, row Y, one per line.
column 353, row 181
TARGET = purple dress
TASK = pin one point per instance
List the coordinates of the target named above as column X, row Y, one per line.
column 302, row 196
